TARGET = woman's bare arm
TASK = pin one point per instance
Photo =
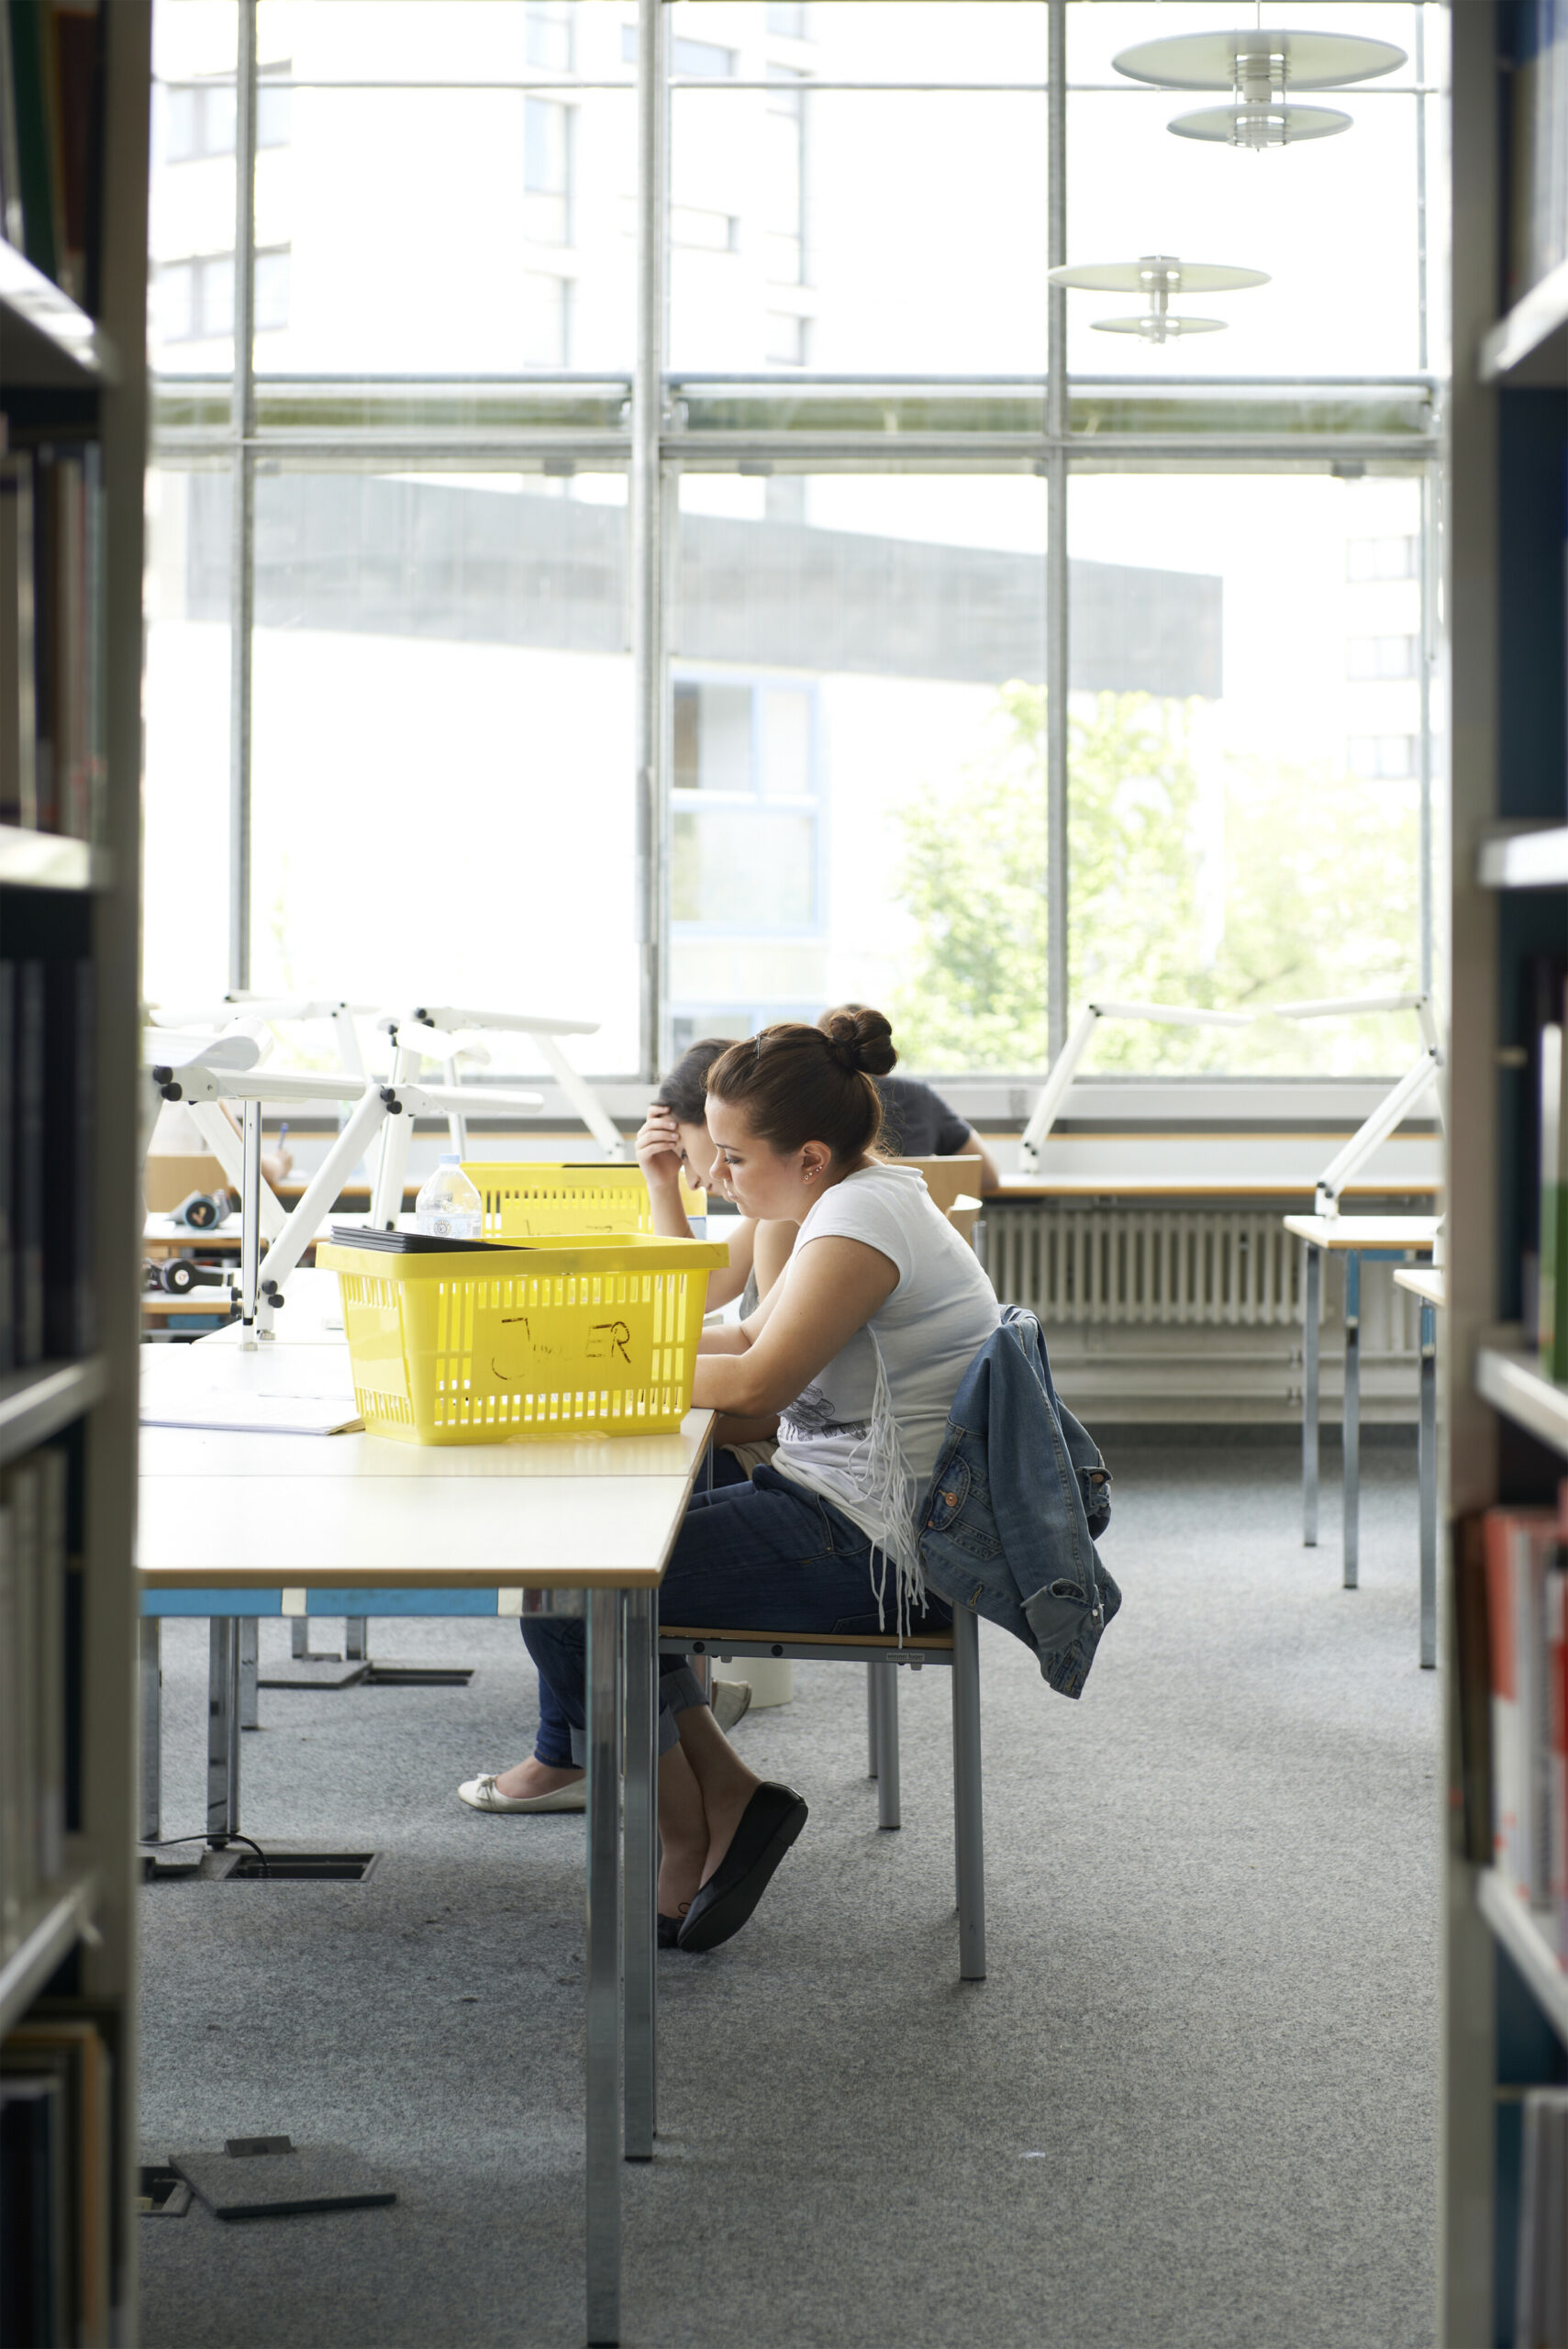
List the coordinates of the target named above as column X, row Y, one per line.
column 834, row 1287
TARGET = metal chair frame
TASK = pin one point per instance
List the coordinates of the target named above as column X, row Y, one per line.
column 882, row 1656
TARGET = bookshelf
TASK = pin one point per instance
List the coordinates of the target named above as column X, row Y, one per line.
column 1504, row 1994
column 72, row 444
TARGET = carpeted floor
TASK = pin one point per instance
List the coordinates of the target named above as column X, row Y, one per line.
column 1193, row 2108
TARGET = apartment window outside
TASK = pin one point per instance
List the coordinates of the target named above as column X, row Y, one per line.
column 1383, row 758
column 547, row 320
column 1376, row 659
column 785, row 228
column 196, row 297
column 1367, row 560
column 547, row 171
column 745, row 813
column 200, row 118
column 549, row 41
column 788, row 338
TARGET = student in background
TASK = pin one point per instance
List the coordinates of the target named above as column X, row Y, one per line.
column 917, row 1123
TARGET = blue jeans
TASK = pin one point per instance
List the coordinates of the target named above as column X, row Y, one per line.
column 760, row 1554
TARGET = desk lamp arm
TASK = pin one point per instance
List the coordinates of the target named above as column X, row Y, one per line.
column 1369, row 1138
column 545, row 1034
column 1063, row 1068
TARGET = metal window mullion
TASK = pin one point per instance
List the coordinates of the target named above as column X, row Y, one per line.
column 647, row 538
column 1056, row 613
column 242, row 522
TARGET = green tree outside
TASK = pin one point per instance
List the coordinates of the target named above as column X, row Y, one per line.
column 1318, row 897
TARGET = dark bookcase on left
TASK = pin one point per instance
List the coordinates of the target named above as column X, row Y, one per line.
column 75, row 79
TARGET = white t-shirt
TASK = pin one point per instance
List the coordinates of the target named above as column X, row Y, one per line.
column 869, row 1443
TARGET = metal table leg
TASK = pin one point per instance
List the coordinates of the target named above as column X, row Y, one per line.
column 969, row 1826
column 605, row 1617
column 1352, row 1416
column 641, row 1873
column 250, row 1701
column 1427, row 1478
column 223, row 1729
column 1309, row 1397
column 150, row 1664
column 889, row 1812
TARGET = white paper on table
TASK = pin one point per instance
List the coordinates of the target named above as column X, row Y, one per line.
column 240, row 1414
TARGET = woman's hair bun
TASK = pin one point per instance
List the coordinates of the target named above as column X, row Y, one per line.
column 859, row 1038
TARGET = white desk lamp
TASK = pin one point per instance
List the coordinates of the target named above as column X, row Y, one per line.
column 1396, row 1105
column 208, row 1077
column 453, row 1021
column 1064, row 1067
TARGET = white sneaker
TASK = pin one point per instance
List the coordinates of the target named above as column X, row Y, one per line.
column 480, row 1795
column 731, row 1700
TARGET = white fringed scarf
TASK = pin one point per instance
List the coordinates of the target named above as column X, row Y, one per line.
column 877, row 1491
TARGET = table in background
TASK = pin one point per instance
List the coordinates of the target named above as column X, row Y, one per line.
column 1354, row 1237
column 569, row 1526
column 1430, row 1289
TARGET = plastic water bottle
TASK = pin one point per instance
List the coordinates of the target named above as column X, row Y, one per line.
column 449, row 1207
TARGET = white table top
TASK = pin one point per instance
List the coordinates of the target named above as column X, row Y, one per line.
column 254, row 1510
column 258, row 1532
column 1338, row 1231
column 1429, row 1287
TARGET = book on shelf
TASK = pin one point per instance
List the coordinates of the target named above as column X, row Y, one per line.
column 69, row 2054
column 32, row 1687
column 48, row 1130
column 1538, row 208
column 1552, row 1249
column 51, row 752
column 51, row 137
column 32, row 2206
column 1540, row 2300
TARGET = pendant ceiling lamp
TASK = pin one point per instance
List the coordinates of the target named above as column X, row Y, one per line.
column 1262, row 68
column 1157, row 276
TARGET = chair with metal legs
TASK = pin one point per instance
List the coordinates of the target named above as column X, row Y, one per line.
column 883, row 1655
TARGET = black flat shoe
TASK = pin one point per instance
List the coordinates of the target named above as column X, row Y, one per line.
column 769, row 1825
column 669, row 1930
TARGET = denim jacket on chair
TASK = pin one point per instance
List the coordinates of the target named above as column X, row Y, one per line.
column 1019, row 1493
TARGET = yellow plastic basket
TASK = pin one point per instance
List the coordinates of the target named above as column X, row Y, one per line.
column 592, row 1335
column 525, row 1201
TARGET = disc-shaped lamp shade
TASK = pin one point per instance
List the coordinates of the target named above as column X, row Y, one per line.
column 1157, row 273
column 1260, row 126
column 1254, row 62
column 1159, row 325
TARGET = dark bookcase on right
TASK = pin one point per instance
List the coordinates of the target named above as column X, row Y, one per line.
column 1505, row 1415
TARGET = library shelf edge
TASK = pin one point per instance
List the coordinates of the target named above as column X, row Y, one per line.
column 30, row 860
column 36, row 1404
column 1540, row 313
column 1516, row 1926
column 1512, row 1385
column 1535, row 860
column 62, row 1915
column 50, row 341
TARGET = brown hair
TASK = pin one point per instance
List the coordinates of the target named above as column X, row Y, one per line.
column 798, row 1083
column 684, row 1088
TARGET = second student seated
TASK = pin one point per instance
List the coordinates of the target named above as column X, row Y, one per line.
column 860, row 1349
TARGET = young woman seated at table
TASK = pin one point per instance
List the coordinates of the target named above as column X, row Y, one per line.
column 860, row 1349
column 673, row 1142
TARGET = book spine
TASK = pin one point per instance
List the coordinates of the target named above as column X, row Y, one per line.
column 28, row 1166
column 23, row 1500
column 7, row 1167
column 18, row 719
column 49, row 1769
column 70, row 1122
column 11, row 1670
column 30, row 27
column 1502, row 1635
column 1551, row 1155
column 1557, row 1688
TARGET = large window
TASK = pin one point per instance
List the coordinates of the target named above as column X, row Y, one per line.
column 824, row 764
